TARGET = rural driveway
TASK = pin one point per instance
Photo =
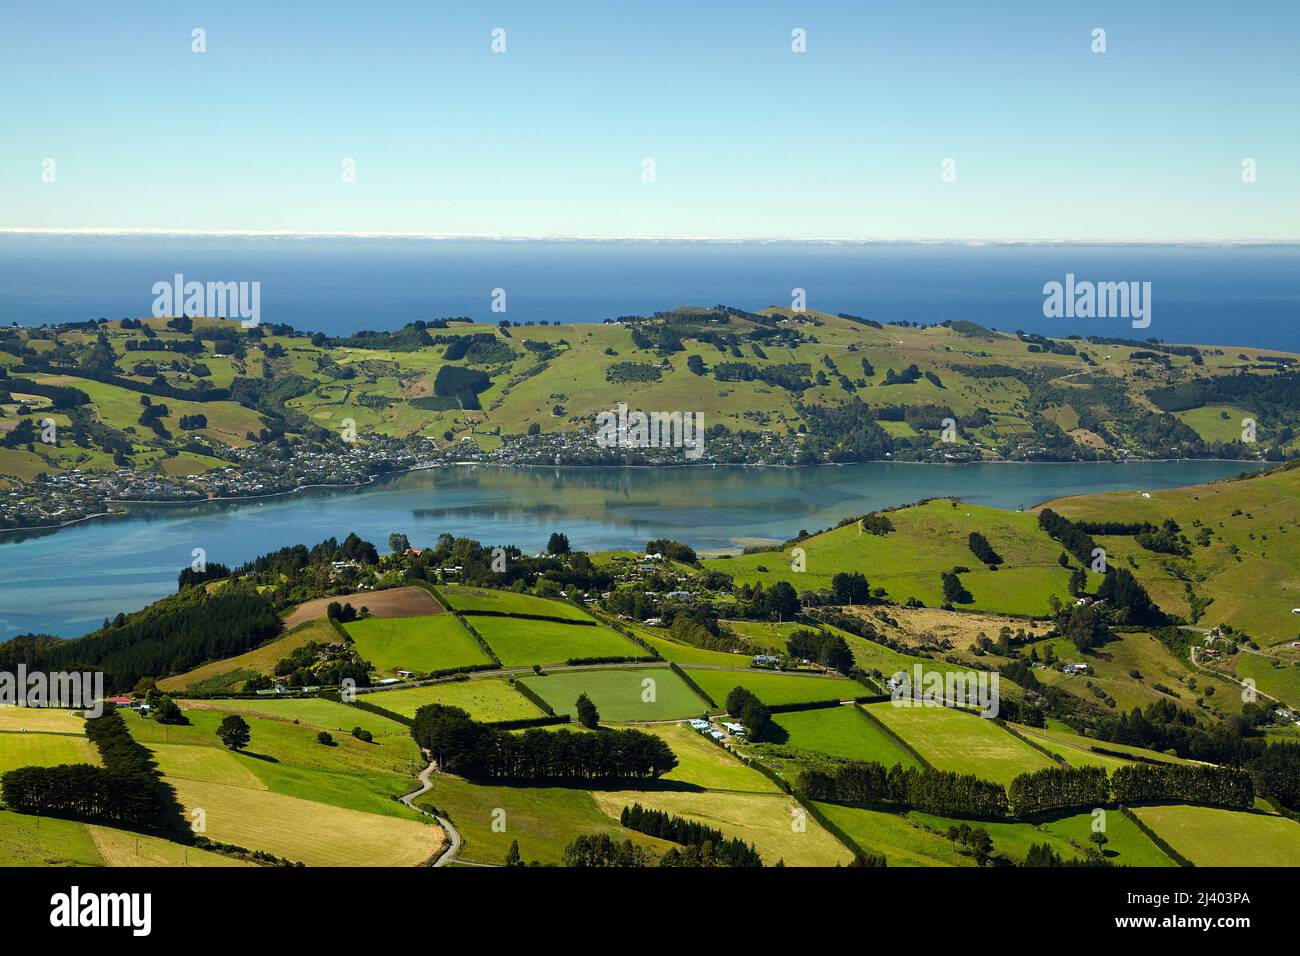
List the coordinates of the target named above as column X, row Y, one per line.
column 452, row 834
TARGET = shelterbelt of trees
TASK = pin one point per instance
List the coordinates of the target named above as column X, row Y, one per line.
column 869, row 784
column 464, row 746
column 125, row 790
column 826, row 387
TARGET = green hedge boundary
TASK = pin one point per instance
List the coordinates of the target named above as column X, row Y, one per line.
column 1156, row 838
column 690, row 682
column 908, row 748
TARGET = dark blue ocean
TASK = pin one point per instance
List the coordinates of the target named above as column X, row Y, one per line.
column 1212, row 295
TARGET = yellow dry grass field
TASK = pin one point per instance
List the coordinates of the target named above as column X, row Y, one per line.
column 315, row 834
column 42, row 720
column 765, row 820
column 123, row 848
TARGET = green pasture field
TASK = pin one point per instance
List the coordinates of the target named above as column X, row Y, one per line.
column 422, row 644
column 766, row 634
column 307, row 831
column 1077, row 752
column 1068, row 836
column 841, row 732
column 310, row 711
column 49, row 720
column 543, row 819
column 671, row 650
column 702, row 764
column 928, row 540
column 470, row 599
column 519, row 641
column 1250, row 568
column 774, row 688
column 291, row 795
column 961, row 742
column 44, row 750
column 1210, row 423
column 484, row 699
column 1209, row 836
column 891, row 835
column 1274, row 676
column 49, row 841
column 617, row 693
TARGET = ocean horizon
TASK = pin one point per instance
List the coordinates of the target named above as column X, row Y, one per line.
column 1222, row 294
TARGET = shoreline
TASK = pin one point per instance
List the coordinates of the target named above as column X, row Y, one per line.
column 353, row 486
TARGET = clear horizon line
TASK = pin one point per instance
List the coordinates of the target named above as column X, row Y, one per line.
column 135, row 231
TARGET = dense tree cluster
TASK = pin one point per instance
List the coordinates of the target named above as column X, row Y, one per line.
column 673, row 550
column 600, row 850
column 860, row 783
column 1074, row 539
column 777, row 603
column 850, row 587
column 1122, row 591
column 980, row 547
column 1057, row 787
column 172, row 635
column 690, row 833
column 210, row 572
column 752, row 713
column 1184, row 783
column 823, row 647
column 462, row 745
column 954, row 592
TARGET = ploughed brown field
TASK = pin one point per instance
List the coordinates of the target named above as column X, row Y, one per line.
column 397, row 602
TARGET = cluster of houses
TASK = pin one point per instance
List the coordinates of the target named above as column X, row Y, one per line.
column 262, row 469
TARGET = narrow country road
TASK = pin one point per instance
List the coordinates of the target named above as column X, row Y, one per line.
column 452, row 834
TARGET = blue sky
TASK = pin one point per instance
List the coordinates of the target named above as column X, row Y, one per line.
column 750, row 140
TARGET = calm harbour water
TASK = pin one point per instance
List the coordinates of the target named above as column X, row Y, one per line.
column 67, row 582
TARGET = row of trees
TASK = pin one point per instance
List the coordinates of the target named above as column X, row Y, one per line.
column 859, row 783
column 980, row 547
column 1058, row 787
column 690, row 833
column 124, row 790
column 1185, row 783
column 862, row 783
column 1073, row 538
column 1165, row 727
column 462, row 745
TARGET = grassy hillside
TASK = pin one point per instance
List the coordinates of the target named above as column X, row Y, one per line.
column 765, row 373
column 290, row 795
column 1249, row 567
column 928, row 539
column 227, row 674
